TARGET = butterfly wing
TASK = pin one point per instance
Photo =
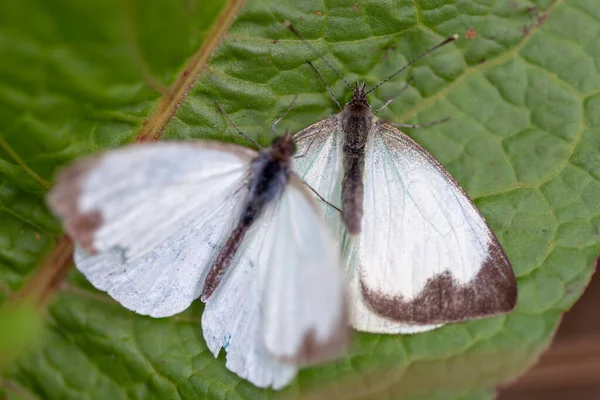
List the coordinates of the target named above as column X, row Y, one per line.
column 427, row 255
column 148, row 218
column 282, row 304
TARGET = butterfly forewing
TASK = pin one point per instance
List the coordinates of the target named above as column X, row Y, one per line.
column 140, row 187
column 151, row 212
column 363, row 317
column 233, row 316
column 416, row 215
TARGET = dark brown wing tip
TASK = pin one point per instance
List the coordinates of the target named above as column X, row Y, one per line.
column 493, row 291
column 314, row 352
column 63, row 200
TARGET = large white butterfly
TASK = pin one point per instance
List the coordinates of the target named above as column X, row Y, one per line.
column 159, row 225
column 418, row 252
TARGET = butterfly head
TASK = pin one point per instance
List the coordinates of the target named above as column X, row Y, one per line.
column 359, row 98
column 283, row 147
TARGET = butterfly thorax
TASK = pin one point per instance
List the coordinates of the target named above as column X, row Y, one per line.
column 282, row 149
column 359, row 102
column 357, row 118
column 267, row 177
column 269, row 173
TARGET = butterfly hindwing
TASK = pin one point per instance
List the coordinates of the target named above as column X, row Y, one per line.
column 166, row 279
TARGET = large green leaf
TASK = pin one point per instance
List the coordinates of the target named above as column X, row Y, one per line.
column 524, row 141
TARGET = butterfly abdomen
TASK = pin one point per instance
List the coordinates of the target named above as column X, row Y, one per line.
column 356, row 131
column 267, row 184
column 223, row 260
column 353, row 191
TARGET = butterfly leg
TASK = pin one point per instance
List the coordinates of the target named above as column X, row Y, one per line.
column 439, row 121
column 321, row 197
column 308, row 148
column 323, row 82
column 283, row 115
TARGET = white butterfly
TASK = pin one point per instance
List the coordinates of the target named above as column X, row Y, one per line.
column 158, row 225
column 418, row 252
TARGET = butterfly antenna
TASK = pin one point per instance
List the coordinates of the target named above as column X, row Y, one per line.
column 414, row 60
column 325, row 84
column 283, row 115
column 236, row 127
column 411, row 80
column 289, row 25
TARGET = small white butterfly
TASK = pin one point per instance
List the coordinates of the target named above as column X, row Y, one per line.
column 158, row 225
column 425, row 255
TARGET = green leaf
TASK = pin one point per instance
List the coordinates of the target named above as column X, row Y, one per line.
column 523, row 95
column 19, row 326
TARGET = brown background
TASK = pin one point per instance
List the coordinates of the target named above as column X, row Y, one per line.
column 570, row 369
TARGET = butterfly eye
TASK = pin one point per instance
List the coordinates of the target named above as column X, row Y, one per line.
column 349, row 97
